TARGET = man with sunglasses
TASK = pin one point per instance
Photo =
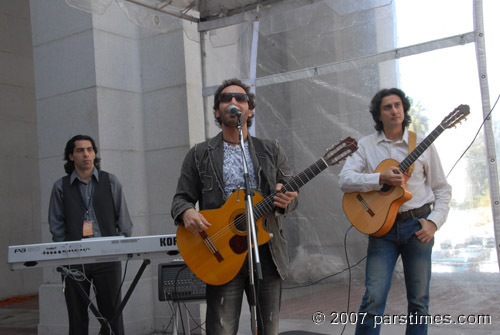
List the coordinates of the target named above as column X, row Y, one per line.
column 211, row 172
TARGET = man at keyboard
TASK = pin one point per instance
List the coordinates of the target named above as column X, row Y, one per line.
column 85, row 203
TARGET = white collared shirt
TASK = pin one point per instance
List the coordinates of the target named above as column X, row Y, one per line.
column 427, row 182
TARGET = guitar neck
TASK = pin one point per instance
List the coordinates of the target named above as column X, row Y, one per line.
column 267, row 205
column 419, row 150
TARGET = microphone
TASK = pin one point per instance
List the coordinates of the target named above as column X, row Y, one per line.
column 233, row 110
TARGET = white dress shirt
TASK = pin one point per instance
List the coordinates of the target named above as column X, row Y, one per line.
column 427, row 182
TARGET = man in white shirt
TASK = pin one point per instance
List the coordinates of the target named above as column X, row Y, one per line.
column 418, row 219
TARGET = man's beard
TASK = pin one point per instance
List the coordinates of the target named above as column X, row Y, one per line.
column 229, row 121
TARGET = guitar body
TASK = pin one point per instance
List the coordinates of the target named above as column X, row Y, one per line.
column 228, row 233
column 217, row 254
column 374, row 212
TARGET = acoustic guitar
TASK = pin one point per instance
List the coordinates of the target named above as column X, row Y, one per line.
column 374, row 212
column 217, row 254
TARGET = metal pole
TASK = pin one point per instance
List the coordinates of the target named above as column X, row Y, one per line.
column 488, row 130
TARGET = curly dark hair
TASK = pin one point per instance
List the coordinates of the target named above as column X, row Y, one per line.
column 69, row 166
column 230, row 82
column 377, row 100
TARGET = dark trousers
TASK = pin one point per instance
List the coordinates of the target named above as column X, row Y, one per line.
column 224, row 302
column 106, row 278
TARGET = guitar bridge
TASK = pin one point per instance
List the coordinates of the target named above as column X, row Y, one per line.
column 365, row 205
column 211, row 246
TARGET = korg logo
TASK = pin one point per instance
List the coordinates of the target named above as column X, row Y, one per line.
column 18, row 250
column 168, row 241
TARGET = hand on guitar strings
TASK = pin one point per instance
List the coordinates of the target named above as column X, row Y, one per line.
column 427, row 232
column 194, row 221
column 392, row 176
column 283, row 199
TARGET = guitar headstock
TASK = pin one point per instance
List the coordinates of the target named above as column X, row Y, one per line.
column 340, row 151
column 458, row 114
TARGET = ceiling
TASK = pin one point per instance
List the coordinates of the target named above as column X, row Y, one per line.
column 213, row 14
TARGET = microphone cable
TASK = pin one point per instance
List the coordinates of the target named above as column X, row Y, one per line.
column 350, row 277
column 475, row 137
column 348, row 268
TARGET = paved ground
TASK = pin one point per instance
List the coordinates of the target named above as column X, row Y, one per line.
column 19, row 317
column 474, row 295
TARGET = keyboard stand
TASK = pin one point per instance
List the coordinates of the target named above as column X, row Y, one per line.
column 120, row 308
column 124, row 301
column 177, row 313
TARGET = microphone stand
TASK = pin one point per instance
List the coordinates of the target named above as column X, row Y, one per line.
column 251, row 235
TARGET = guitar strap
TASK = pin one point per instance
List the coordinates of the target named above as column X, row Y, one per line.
column 412, row 143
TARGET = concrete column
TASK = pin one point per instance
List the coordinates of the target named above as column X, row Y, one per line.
column 129, row 88
column 20, row 187
column 87, row 70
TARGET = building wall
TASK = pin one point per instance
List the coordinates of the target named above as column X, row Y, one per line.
column 20, row 180
column 127, row 87
column 138, row 92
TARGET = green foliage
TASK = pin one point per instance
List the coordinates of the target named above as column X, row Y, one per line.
column 419, row 122
column 476, row 160
column 478, row 171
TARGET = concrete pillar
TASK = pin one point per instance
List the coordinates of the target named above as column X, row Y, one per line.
column 127, row 87
column 20, row 186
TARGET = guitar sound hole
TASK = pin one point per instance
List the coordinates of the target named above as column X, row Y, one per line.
column 240, row 223
column 386, row 188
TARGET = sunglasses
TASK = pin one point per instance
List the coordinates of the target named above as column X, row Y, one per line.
column 227, row 97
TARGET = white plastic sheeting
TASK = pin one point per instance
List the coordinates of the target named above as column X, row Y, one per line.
column 318, row 67
column 315, row 66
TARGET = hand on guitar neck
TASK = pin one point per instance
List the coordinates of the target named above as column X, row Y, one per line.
column 392, row 176
column 217, row 252
column 283, row 199
column 375, row 212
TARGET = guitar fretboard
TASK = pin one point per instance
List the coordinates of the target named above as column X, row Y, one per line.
column 419, row 150
column 266, row 205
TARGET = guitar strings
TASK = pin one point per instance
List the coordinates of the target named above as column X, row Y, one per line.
column 260, row 206
column 349, row 267
column 296, row 181
column 240, row 219
column 294, row 184
column 237, row 222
